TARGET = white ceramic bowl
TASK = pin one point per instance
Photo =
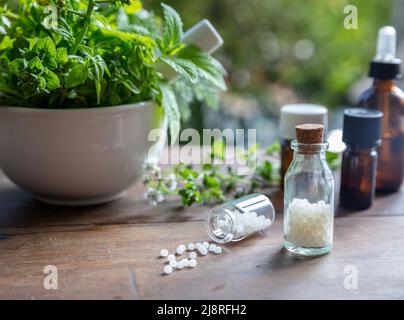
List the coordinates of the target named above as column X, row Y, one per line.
column 77, row 156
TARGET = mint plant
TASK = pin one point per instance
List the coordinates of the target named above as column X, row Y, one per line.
column 100, row 53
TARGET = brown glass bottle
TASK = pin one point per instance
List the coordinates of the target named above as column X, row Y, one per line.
column 389, row 99
column 359, row 161
column 286, row 156
column 358, row 178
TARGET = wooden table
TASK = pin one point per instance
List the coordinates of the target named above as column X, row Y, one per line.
column 110, row 252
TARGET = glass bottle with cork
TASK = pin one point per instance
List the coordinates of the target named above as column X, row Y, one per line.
column 386, row 97
column 359, row 161
column 309, row 195
column 291, row 116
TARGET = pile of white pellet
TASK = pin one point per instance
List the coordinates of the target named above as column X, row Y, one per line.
column 247, row 223
column 309, row 224
column 173, row 263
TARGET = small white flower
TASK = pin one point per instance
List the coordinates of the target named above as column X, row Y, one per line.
column 154, row 196
column 171, row 182
column 151, row 167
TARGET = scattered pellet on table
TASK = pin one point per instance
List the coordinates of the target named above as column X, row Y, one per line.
column 218, row 250
column 212, row 247
column 173, row 263
column 167, row 269
column 191, row 246
column 170, row 257
column 180, row 250
column 164, row 253
column 193, row 255
column 203, row 251
column 180, row 265
column 185, row 262
column 198, row 245
column 206, row 244
column 192, row 263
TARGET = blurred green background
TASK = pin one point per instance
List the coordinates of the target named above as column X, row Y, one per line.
column 281, row 51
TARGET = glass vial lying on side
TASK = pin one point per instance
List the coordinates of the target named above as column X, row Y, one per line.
column 309, row 195
column 359, row 162
column 240, row 218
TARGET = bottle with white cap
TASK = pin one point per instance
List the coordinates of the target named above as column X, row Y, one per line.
column 386, row 97
column 293, row 115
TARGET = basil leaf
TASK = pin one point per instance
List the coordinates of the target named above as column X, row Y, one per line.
column 77, row 75
column 52, row 80
column 17, row 66
column 61, row 56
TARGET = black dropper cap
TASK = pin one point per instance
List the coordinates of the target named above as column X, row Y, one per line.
column 385, row 71
column 362, row 127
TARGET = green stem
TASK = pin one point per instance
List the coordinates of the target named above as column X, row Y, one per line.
column 87, row 19
column 81, row 14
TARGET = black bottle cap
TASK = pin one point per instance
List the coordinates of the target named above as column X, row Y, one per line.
column 362, row 127
column 384, row 70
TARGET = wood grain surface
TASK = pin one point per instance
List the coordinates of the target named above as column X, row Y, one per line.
column 111, row 252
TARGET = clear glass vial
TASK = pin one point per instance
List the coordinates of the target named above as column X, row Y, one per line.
column 309, row 195
column 240, row 218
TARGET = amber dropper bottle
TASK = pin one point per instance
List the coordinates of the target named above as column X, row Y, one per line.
column 385, row 96
column 291, row 116
column 362, row 135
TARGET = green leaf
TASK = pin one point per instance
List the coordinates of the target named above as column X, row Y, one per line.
column 273, row 148
column 171, row 110
column 52, row 80
column 210, row 182
column 61, row 56
column 265, row 170
column 77, row 75
column 35, row 65
column 6, row 43
column 47, row 47
column 17, row 66
column 183, row 67
column 208, row 67
column 129, row 84
column 98, row 90
column 172, row 31
column 129, row 37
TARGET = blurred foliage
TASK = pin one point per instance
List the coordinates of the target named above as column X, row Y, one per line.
column 298, row 44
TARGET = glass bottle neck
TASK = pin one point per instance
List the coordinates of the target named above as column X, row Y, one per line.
column 384, row 85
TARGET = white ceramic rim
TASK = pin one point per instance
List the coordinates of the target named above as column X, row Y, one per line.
column 117, row 108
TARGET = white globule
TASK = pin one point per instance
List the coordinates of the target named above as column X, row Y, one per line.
column 180, row 250
column 247, row 223
column 309, row 224
column 167, row 269
column 203, row 251
column 191, row 246
column 218, row 250
column 206, row 244
column 180, row 265
column 192, row 263
column 173, row 263
column 198, row 245
column 164, row 253
column 185, row 262
column 170, row 257
column 193, row 255
column 212, row 247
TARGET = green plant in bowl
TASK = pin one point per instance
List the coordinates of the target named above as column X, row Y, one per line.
column 89, row 53
column 82, row 84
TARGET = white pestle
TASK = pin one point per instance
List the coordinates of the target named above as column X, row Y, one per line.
column 203, row 35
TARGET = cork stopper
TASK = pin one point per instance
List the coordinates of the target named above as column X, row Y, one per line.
column 310, row 133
